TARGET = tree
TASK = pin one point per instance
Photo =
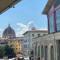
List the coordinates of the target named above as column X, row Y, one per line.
column 2, row 52
column 9, row 51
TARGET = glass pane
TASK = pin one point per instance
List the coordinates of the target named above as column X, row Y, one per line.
column 58, row 19
column 51, row 23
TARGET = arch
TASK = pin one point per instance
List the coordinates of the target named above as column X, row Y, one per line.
column 52, row 52
column 46, row 52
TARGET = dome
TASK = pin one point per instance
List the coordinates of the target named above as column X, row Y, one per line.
column 9, row 32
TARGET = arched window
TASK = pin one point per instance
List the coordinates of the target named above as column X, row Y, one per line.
column 38, row 51
column 42, row 51
column 46, row 52
column 52, row 53
column 58, row 50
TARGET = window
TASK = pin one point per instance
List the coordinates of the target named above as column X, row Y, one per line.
column 25, row 46
column 51, row 23
column 11, row 45
column 38, row 35
column 52, row 53
column 38, row 51
column 2, row 43
column 16, row 48
column 25, row 40
column 58, row 50
column 33, row 35
column 46, row 50
column 44, row 34
column 58, row 19
column 10, row 41
column 18, row 41
column 42, row 51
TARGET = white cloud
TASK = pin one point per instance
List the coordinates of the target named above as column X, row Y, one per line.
column 1, row 30
column 23, row 28
column 30, row 23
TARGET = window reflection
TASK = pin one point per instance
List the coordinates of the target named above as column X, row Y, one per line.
column 51, row 23
column 58, row 19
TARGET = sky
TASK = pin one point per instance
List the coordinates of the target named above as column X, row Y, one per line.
column 26, row 14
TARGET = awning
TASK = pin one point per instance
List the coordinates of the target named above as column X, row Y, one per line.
column 48, row 6
column 6, row 4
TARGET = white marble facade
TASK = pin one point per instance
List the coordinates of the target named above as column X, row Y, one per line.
column 49, row 47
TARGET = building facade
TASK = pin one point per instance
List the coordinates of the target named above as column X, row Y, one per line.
column 48, row 47
column 52, row 10
column 9, row 38
column 16, row 44
column 28, row 39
